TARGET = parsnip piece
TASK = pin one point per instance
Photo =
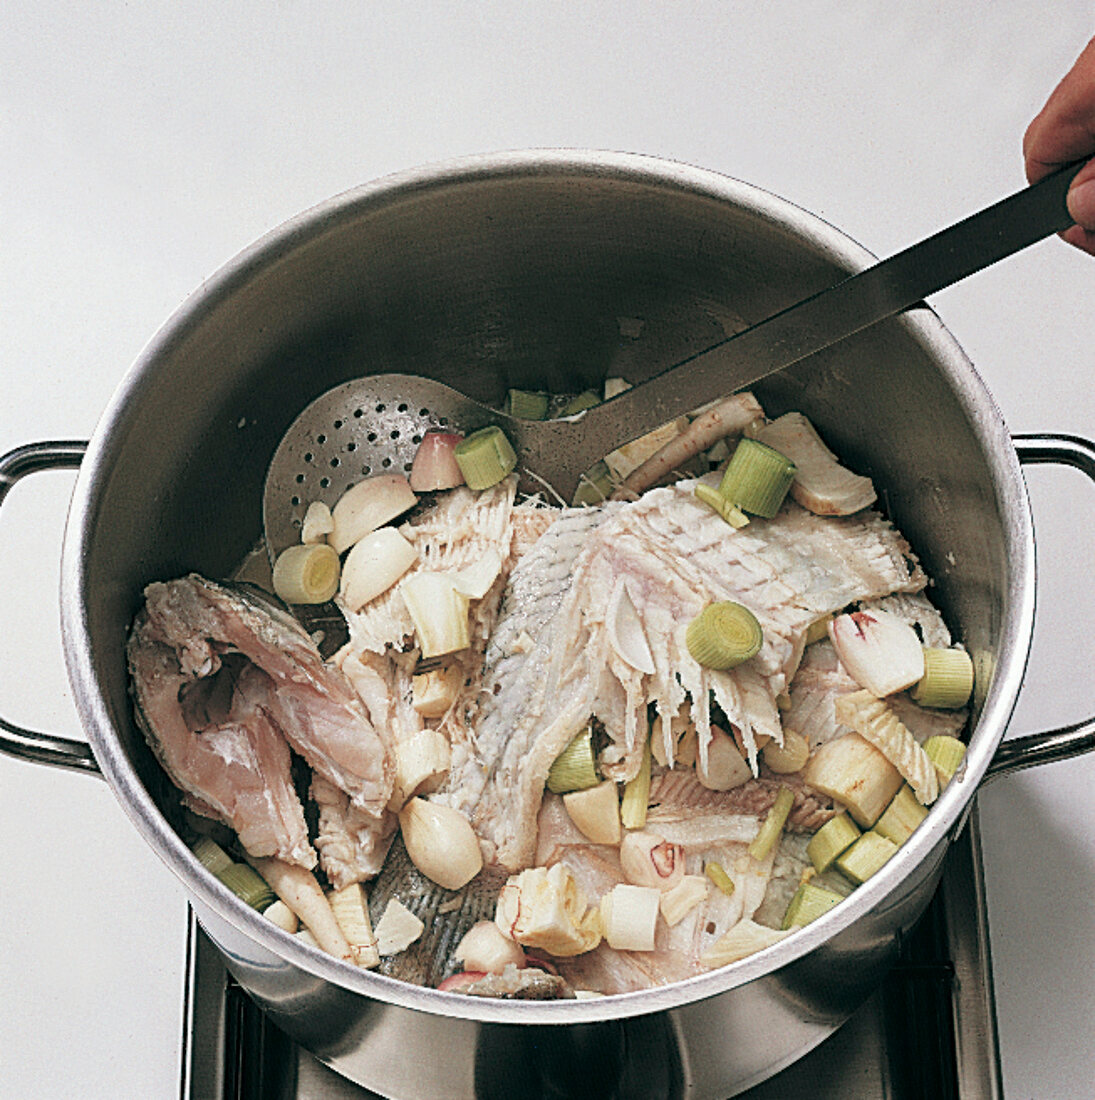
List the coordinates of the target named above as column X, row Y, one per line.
column 596, row 812
column 421, row 766
column 821, row 483
column 631, row 456
column 434, row 692
column 280, row 914
column 546, row 908
column 874, row 720
column 397, row 929
column 852, row 771
column 677, row 903
column 729, row 417
column 745, row 938
column 352, row 914
column 439, row 612
column 300, row 891
column 726, row 767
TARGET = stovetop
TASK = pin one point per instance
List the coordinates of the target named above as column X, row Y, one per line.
column 929, row 1033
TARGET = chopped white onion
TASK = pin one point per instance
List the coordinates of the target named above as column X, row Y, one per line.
column 397, row 929
column 881, row 652
column 435, row 466
column 440, row 842
column 485, row 949
column 474, row 580
column 625, row 631
column 318, row 523
column 368, row 505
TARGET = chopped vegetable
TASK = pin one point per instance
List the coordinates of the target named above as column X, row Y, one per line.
column 809, row 903
column 439, row 612
column 757, row 478
column 280, row 914
column 247, row 885
column 318, row 523
column 422, row 764
column 434, row 692
column 633, row 456
column 866, row 857
column 435, row 466
column 717, row 874
column 682, row 735
column 475, row 580
column 726, row 768
column 650, row 860
column 677, row 903
column 881, row 652
column 901, row 817
column 575, row 768
column 486, row 950
column 595, row 486
column 397, row 929
column 352, row 914
column 852, row 771
column 834, row 838
column 629, row 915
column 721, row 505
column 585, row 400
column 615, row 386
column 545, row 908
column 368, row 505
column 724, row 635
column 636, row 798
column 789, row 757
column 485, row 457
column 306, row 574
column 373, row 565
column 625, row 631
column 211, row 855
column 440, row 842
column 299, row 890
column 821, row 483
column 876, row 722
column 745, row 938
column 527, row 405
column 818, row 630
column 596, row 812
column 946, row 753
column 947, row 682
column 769, row 832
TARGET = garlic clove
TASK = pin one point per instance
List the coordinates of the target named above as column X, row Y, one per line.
column 881, row 652
column 441, row 843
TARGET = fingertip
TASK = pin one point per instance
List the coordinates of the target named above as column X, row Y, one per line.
column 1081, row 204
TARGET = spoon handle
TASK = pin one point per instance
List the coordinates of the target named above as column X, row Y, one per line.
column 819, row 321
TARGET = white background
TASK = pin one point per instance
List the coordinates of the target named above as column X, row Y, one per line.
column 143, row 144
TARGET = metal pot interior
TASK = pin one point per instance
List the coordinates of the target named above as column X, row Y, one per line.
column 541, row 271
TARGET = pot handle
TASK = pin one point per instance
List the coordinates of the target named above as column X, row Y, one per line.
column 1046, row 748
column 42, row 748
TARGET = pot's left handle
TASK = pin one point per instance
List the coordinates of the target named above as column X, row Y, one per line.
column 1046, row 748
column 42, row 748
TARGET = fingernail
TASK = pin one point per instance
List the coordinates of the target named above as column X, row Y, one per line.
column 1081, row 204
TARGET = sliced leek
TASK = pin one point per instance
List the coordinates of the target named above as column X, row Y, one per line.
column 585, row 400
column 901, row 816
column 575, row 768
column 757, row 478
column 636, row 797
column 717, row 874
column 724, row 635
column 809, row 903
column 527, row 405
column 947, row 682
column 211, row 855
column 629, row 915
column 485, row 457
column 866, row 857
column 833, row 839
column 595, row 486
column 307, row 574
column 769, row 832
column 248, row 885
column 946, row 753
column 721, row 505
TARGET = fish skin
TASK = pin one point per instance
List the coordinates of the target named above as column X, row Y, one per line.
column 677, row 556
column 189, row 629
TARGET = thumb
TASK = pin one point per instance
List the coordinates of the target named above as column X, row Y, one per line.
column 1081, row 198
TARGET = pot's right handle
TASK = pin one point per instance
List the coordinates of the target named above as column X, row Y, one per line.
column 42, row 748
column 1059, row 744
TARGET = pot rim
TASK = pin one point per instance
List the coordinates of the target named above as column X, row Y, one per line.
column 948, row 814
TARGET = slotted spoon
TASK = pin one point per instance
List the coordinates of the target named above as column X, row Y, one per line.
column 373, row 425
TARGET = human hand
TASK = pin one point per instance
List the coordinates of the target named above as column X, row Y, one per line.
column 1063, row 132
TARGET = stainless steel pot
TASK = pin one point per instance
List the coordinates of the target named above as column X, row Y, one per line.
column 537, row 270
